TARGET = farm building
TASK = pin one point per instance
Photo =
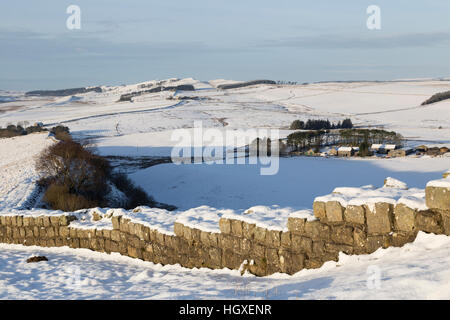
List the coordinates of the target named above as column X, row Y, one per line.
column 400, row 153
column 333, row 152
column 386, row 148
column 346, row 152
column 422, row 149
column 375, row 147
column 435, row 151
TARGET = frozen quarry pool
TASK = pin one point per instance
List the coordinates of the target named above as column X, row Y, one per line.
column 297, row 183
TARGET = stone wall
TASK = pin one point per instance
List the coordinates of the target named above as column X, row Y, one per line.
column 242, row 245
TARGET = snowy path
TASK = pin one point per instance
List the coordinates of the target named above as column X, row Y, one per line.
column 416, row 271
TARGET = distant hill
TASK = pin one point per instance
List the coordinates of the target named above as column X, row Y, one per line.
column 244, row 84
column 63, row 92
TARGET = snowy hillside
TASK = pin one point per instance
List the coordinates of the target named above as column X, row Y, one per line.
column 142, row 127
column 17, row 173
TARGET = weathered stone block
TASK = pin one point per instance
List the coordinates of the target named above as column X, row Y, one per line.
column 404, row 218
column 376, row 242
column 225, row 225
column 178, row 229
column 306, row 245
column 187, row 233
column 204, row 237
column 317, row 230
column 123, row 226
column 286, row 239
column 296, row 242
column 437, row 197
column 46, row 221
column 42, row 232
column 260, row 234
column 259, row 250
column 133, row 252
column 72, row 232
column 318, row 248
column 245, row 246
column 54, row 221
column 236, row 227
column 132, row 228
column 334, row 211
column 297, row 263
column 248, row 230
column 51, row 232
column 342, row 235
column 429, row 221
column 319, row 209
column 213, row 239
column 28, row 232
column 116, row 222
column 19, row 221
column 399, row 239
column 115, row 235
column 354, row 214
column 359, row 239
column 27, row 221
column 296, row 225
column 273, row 238
column 379, row 218
column 74, row 243
column 215, row 255
column 446, row 222
column 272, row 256
column 196, row 235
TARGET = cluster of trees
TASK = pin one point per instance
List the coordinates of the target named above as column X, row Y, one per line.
column 355, row 137
column 76, row 178
column 437, row 97
column 304, row 140
column 362, row 138
column 320, row 125
column 19, row 130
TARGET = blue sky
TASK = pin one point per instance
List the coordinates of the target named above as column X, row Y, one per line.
column 131, row 41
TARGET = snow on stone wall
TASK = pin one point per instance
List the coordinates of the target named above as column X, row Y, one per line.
column 239, row 242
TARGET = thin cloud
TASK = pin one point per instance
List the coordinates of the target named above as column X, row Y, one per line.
column 369, row 41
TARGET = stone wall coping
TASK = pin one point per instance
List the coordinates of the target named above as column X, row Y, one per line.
column 440, row 183
column 367, row 195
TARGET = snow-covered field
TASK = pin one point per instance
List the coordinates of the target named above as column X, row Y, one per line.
column 144, row 128
column 416, row 271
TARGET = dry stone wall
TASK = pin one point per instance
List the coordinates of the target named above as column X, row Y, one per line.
column 355, row 229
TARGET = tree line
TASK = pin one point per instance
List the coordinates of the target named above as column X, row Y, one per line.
column 313, row 124
column 363, row 138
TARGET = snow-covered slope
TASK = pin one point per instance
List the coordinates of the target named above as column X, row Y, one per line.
column 419, row 270
column 17, row 173
column 144, row 127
